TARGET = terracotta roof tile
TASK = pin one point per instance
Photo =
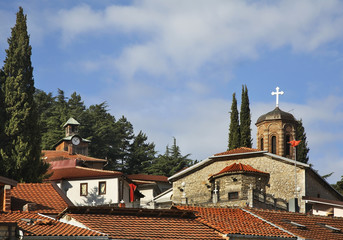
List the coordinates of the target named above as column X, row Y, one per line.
column 52, row 155
column 235, row 221
column 34, row 224
column 237, row 151
column 313, row 224
column 238, row 167
column 47, row 197
column 145, row 227
column 156, row 178
column 81, row 173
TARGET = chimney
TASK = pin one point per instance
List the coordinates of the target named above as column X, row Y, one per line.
column 6, row 206
column 122, row 204
column 29, row 207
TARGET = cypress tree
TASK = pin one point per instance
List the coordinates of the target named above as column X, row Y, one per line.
column 302, row 149
column 22, row 153
column 245, row 118
column 234, row 131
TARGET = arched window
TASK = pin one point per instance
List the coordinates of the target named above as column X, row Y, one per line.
column 273, row 145
column 261, row 143
column 287, row 145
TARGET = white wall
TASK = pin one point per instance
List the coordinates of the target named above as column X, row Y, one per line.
column 73, row 192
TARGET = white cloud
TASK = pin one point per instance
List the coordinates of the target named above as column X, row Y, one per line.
column 184, row 36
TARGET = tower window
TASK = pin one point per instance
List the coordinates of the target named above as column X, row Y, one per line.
column 261, row 143
column 287, row 145
column 273, row 145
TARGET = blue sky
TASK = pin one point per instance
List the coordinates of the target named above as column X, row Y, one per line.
column 172, row 66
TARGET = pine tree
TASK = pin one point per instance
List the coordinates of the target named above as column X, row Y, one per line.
column 245, row 118
column 171, row 162
column 302, row 149
column 234, row 131
column 22, row 154
column 141, row 154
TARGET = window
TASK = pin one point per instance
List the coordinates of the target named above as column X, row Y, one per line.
column 233, row 195
column 273, row 145
column 261, row 143
column 102, row 188
column 287, row 145
column 83, row 189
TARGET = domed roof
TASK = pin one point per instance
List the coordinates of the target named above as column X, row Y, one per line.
column 276, row 114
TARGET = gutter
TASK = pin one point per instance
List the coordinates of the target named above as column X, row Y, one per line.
column 65, row 237
column 242, row 236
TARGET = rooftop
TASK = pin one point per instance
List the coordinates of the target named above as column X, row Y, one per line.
column 145, row 177
column 276, row 114
column 304, row 226
column 144, row 223
column 33, row 224
column 238, row 151
column 235, row 221
column 238, row 167
column 52, row 155
column 81, row 173
column 48, row 197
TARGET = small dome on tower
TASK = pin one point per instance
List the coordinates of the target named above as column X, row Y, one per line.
column 276, row 114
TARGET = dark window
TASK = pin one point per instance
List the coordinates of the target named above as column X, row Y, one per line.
column 288, row 146
column 274, row 144
column 102, row 188
column 83, row 189
column 261, row 143
column 233, row 195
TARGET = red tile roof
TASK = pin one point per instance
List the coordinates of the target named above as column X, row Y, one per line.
column 130, row 223
column 48, row 197
column 33, row 224
column 313, row 224
column 135, row 227
column 52, row 155
column 238, row 167
column 81, row 173
column 238, row 150
column 144, row 177
column 235, row 221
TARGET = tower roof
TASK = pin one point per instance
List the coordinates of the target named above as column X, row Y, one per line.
column 71, row 121
column 276, row 114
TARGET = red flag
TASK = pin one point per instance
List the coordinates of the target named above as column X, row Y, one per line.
column 132, row 192
column 294, row 143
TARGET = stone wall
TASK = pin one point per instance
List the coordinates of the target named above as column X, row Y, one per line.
column 281, row 182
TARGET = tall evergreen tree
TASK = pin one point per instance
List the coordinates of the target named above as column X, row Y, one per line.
column 171, row 162
column 302, row 149
column 22, row 154
column 245, row 119
column 234, row 130
column 141, row 154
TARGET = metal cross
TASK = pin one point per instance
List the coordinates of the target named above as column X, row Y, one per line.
column 277, row 93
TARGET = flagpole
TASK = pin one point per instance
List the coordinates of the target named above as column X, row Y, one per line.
column 295, row 171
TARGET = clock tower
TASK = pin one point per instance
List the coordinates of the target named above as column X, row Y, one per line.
column 73, row 142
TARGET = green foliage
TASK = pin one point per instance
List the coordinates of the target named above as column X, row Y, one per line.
column 20, row 154
column 245, row 119
column 234, row 131
column 339, row 186
column 140, row 154
column 302, row 149
column 170, row 162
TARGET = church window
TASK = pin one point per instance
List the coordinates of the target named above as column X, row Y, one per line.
column 273, row 150
column 233, row 195
column 261, row 143
column 102, row 188
column 83, row 189
column 287, row 145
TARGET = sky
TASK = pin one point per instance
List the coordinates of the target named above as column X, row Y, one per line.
column 171, row 67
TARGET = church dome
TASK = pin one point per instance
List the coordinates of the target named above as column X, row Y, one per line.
column 276, row 114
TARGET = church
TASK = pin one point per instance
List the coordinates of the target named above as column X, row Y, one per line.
column 267, row 177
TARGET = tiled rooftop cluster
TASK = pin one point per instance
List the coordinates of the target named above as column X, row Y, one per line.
column 238, row 151
column 235, row 221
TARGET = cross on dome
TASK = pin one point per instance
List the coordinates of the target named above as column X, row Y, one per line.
column 277, row 93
